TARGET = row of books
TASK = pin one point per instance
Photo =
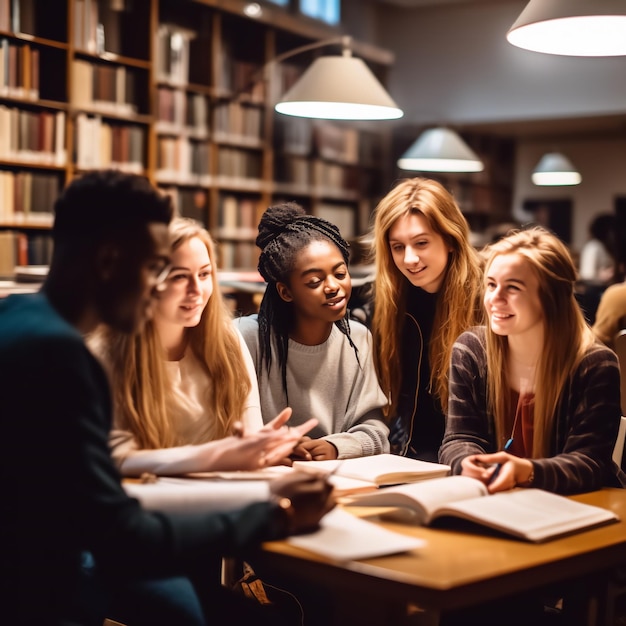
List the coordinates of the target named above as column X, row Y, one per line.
column 19, row 70
column 303, row 137
column 294, row 135
column 313, row 173
column 282, row 77
column 97, row 25
column 190, row 202
column 334, row 176
column 172, row 54
column 238, row 119
column 238, row 163
column 32, row 137
column 180, row 112
column 181, row 160
column 336, row 143
column 105, row 88
column 295, row 170
column 241, row 76
column 237, row 223
column 237, row 254
column 18, row 248
column 237, row 217
column 343, row 216
column 101, row 144
column 17, row 16
column 27, row 197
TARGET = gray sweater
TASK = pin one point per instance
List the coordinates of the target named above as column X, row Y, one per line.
column 326, row 382
column 585, row 425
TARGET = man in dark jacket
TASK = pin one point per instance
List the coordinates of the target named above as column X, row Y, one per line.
column 62, row 495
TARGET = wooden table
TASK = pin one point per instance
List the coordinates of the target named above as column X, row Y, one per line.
column 459, row 568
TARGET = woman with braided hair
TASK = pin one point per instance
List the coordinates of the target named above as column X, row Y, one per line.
column 307, row 354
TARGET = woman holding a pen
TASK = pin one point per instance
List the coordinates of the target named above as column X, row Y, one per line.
column 534, row 400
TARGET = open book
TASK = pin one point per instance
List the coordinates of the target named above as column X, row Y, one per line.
column 530, row 514
column 379, row 469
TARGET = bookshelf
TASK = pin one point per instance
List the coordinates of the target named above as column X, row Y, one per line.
column 181, row 93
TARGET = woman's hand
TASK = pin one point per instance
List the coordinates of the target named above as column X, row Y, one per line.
column 318, row 449
column 499, row 471
column 268, row 446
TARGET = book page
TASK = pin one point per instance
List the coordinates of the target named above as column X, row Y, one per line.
column 265, row 473
column 344, row 536
column 531, row 514
column 426, row 497
column 184, row 495
column 379, row 468
column 343, row 485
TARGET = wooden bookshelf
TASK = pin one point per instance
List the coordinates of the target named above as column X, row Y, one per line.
column 181, row 93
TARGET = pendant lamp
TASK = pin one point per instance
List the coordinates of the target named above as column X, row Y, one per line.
column 339, row 87
column 591, row 28
column 440, row 150
column 555, row 169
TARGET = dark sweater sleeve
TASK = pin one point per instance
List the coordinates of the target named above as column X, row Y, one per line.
column 586, row 428
column 585, row 424
column 469, row 430
column 72, row 480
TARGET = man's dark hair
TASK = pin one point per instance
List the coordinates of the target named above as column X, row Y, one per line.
column 102, row 205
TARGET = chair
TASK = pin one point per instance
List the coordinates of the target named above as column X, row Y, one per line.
column 620, row 349
column 618, row 450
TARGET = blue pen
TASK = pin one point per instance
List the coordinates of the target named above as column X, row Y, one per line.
column 496, row 471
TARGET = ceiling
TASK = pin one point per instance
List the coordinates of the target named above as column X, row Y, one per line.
column 590, row 126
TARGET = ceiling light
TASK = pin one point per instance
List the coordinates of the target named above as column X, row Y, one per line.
column 572, row 27
column 555, row 169
column 337, row 87
column 440, row 150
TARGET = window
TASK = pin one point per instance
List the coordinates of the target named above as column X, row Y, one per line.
column 325, row 10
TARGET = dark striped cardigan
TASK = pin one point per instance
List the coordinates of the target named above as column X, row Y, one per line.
column 585, row 426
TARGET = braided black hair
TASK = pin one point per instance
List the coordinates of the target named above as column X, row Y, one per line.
column 285, row 230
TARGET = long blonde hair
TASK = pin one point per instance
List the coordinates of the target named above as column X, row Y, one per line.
column 141, row 387
column 567, row 335
column 458, row 303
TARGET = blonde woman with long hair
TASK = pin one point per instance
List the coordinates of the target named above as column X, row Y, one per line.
column 426, row 294
column 534, row 381
column 184, row 390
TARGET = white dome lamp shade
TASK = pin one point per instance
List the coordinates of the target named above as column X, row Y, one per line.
column 593, row 28
column 555, row 169
column 440, row 150
column 339, row 88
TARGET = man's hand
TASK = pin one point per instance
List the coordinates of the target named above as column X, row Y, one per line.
column 311, row 498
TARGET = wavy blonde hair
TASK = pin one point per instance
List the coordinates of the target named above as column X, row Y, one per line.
column 141, row 387
column 458, row 304
column 567, row 335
